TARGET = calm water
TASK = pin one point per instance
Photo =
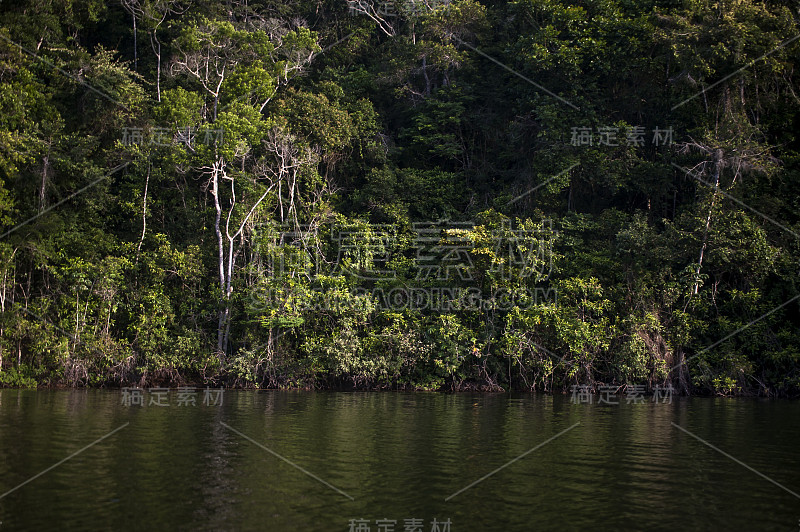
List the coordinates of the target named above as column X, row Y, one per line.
column 399, row 456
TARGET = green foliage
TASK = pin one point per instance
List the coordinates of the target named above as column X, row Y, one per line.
column 601, row 263
column 18, row 377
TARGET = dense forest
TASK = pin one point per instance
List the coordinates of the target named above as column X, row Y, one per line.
column 419, row 194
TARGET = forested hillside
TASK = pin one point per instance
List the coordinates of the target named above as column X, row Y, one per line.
column 417, row 194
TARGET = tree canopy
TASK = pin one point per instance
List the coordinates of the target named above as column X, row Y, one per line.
column 420, row 194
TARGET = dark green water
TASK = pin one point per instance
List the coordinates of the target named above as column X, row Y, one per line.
column 399, row 456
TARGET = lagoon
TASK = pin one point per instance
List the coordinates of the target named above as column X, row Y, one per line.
column 299, row 460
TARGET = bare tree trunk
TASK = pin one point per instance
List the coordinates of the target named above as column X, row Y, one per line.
column 227, row 269
column 217, row 170
column 158, row 73
column 289, row 161
column 3, row 305
column 157, row 50
column 717, row 168
column 144, row 211
column 228, row 293
column 43, row 187
column 425, row 73
column 135, row 45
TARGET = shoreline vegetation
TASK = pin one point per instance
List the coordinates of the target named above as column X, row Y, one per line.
column 451, row 195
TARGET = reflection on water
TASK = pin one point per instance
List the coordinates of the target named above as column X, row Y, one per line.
column 404, row 458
